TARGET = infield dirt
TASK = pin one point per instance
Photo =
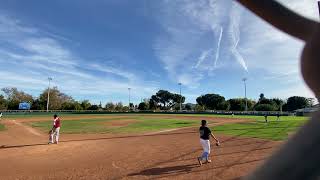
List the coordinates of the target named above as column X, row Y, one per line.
column 24, row 154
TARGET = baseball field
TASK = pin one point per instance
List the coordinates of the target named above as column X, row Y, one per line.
column 137, row 146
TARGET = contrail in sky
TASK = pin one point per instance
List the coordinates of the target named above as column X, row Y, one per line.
column 202, row 57
column 235, row 36
column 218, row 47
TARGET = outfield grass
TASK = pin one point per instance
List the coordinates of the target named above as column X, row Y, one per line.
column 74, row 126
column 97, row 125
column 147, row 125
column 256, row 127
column 2, row 127
column 273, row 130
column 258, row 118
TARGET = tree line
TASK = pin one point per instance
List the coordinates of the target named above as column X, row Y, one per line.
column 58, row 100
column 217, row 102
column 162, row 100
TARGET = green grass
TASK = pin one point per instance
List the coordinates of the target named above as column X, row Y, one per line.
column 149, row 125
column 74, row 126
column 273, row 130
column 255, row 127
column 247, row 116
column 97, row 125
column 2, row 127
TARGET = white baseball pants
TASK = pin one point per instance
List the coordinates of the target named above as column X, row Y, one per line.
column 55, row 134
column 206, row 148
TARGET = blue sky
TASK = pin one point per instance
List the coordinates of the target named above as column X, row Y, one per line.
column 97, row 49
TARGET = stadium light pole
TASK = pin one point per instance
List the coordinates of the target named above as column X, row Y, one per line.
column 129, row 89
column 180, row 96
column 49, row 79
column 245, row 92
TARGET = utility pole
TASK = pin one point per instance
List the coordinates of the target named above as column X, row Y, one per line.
column 49, row 79
column 245, row 92
column 180, row 97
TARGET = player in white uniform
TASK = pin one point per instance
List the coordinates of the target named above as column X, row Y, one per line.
column 205, row 134
column 55, row 131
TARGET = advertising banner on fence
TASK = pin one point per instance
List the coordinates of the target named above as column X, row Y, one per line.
column 24, row 106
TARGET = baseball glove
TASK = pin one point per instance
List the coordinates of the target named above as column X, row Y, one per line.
column 50, row 132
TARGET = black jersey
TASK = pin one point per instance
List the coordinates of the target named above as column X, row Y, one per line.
column 204, row 132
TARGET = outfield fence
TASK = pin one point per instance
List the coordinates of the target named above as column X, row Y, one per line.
column 253, row 113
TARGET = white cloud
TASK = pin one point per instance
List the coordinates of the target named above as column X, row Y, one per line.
column 202, row 57
column 20, row 78
column 47, row 49
column 200, row 38
column 270, row 51
column 12, row 27
column 190, row 80
column 206, row 35
column 292, row 90
column 195, row 39
column 112, row 70
column 29, row 57
column 274, row 53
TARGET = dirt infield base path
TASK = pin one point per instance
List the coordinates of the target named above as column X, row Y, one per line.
column 168, row 155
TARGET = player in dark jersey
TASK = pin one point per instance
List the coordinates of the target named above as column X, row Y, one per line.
column 205, row 134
